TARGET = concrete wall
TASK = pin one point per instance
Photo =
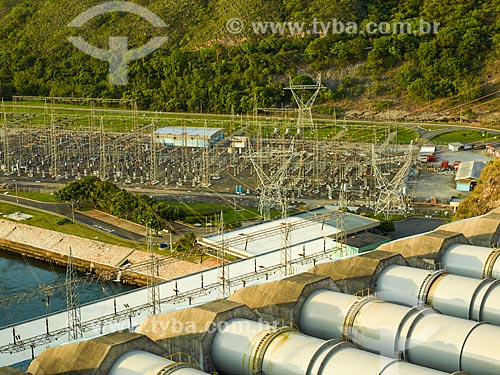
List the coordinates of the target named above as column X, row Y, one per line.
column 192, row 330
column 425, row 250
column 91, row 357
column 282, row 298
column 355, row 274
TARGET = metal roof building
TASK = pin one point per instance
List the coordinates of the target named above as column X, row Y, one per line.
column 176, row 136
column 467, row 175
column 310, row 230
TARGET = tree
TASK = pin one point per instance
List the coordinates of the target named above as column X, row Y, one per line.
column 187, row 243
column 387, row 226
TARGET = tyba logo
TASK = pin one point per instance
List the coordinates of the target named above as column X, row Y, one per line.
column 118, row 55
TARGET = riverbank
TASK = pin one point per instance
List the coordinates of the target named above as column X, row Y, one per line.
column 110, row 261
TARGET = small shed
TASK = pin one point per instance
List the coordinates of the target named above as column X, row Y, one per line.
column 467, row 175
column 455, row 202
column 455, row 146
column 426, row 152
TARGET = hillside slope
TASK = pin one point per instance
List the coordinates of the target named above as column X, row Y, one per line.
column 203, row 65
column 486, row 195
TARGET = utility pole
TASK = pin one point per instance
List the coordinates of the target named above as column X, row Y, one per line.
column 73, row 300
column 135, row 127
column 73, row 210
column 205, row 162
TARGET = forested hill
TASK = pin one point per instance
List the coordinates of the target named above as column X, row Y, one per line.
column 203, row 65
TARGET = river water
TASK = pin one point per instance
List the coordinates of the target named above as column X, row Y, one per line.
column 18, row 275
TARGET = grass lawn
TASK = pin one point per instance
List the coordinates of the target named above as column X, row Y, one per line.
column 41, row 197
column 210, row 213
column 463, row 136
column 47, row 221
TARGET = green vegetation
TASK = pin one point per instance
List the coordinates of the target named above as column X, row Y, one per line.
column 207, row 213
column 42, row 197
column 47, row 221
column 62, row 221
column 485, row 196
column 387, row 226
column 186, row 243
column 107, row 197
column 205, row 68
column 463, row 136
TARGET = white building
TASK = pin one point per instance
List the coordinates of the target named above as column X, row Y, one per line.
column 309, row 233
column 176, row 136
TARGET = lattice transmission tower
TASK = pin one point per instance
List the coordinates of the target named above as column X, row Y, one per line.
column 305, row 117
column 340, row 215
column 392, row 197
column 153, row 276
column 223, row 274
column 272, row 186
column 6, row 148
column 286, row 233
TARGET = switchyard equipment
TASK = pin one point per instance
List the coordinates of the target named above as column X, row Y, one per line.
column 64, row 139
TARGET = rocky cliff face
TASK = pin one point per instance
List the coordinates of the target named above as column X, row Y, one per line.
column 486, row 195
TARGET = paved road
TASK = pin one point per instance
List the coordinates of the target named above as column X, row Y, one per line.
column 64, row 209
column 414, row 225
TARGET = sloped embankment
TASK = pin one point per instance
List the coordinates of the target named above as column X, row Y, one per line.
column 486, row 195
